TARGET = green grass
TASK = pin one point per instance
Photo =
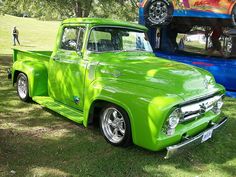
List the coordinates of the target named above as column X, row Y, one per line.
column 33, row 34
column 34, row 141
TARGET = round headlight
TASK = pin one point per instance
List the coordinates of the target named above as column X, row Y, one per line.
column 174, row 118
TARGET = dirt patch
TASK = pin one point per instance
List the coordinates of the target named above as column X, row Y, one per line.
column 5, row 60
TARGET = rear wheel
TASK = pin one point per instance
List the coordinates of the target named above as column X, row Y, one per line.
column 115, row 126
column 22, row 87
column 158, row 12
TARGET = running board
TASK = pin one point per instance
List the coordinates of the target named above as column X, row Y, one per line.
column 68, row 112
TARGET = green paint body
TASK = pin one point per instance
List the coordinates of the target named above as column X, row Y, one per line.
column 146, row 87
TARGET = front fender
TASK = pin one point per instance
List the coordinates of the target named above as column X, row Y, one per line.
column 37, row 76
column 147, row 107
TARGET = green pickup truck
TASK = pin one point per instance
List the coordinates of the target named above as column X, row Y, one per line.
column 104, row 71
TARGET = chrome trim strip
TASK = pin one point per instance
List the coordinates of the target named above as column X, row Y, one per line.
column 197, row 99
column 171, row 150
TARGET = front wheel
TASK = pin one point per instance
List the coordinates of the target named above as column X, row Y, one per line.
column 115, row 126
column 22, row 87
column 158, row 12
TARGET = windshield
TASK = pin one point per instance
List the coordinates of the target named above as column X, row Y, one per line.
column 103, row 39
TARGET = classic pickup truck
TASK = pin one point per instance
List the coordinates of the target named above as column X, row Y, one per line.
column 104, row 71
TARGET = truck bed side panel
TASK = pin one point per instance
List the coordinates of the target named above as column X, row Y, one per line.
column 35, row 66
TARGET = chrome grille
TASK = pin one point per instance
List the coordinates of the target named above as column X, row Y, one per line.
column 197, row 109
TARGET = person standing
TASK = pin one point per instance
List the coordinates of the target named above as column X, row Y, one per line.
column 181, row 43
column 217, row 32
column 15, row 34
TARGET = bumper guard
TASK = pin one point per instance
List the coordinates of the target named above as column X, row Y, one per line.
column 196, row 140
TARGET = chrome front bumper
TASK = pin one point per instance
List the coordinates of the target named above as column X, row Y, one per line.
column 177, row 148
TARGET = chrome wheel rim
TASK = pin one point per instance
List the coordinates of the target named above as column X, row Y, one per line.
column 22, row 87
column 158, row 11
column 113, row 125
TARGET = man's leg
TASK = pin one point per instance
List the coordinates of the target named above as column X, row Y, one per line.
column 17, row 40
column 14, row 40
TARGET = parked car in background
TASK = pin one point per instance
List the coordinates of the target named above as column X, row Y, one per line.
column 195, row 12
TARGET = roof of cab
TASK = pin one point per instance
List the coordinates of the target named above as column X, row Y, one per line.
column 103, row 21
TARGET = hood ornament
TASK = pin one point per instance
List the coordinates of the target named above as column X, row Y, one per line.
column 116, row 73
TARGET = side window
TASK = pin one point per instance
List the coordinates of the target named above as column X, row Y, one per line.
column 72, row 38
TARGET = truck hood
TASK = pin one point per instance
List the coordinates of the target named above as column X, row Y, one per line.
column 147, row 70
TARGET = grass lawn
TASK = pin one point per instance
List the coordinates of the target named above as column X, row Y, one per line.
column 33, row 34
column 35, row 141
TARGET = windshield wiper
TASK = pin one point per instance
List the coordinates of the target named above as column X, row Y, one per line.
column 135, row 50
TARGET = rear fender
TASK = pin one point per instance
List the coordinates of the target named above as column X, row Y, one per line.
column 37, row 76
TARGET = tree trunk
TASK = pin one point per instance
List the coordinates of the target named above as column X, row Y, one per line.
column 82, row 9
column 207, row 35
column 78, row 9
column 87, row 8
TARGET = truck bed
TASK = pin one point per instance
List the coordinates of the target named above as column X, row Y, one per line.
column 43, row 56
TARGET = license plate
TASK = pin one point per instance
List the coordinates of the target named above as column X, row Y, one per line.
column 207, row 135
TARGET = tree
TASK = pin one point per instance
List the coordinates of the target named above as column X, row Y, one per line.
column 80, row 8
column 120, row 9
column 60, row 9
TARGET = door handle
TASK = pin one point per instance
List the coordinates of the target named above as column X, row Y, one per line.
column 56, row 58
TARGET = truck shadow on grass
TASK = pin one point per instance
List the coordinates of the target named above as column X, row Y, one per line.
column 35, row 141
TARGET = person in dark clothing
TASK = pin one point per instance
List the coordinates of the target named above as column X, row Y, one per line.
column 215, row 39
column 15, row 34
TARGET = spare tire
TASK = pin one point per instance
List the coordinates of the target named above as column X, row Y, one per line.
column 158, row 12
